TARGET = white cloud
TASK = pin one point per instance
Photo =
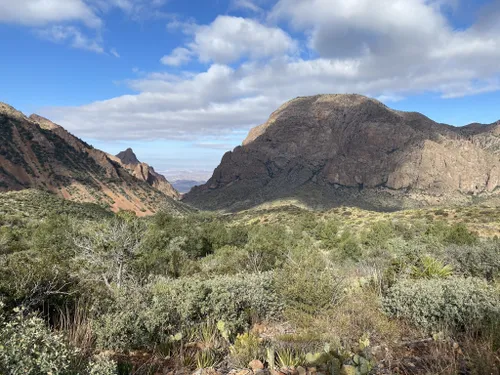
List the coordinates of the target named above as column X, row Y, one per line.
column 114, row 52
column 42, row 12
column 406, row 47
column 228, row 39
column 71, row 35
column 179, row 56
column 246, row 5
column 60, row 20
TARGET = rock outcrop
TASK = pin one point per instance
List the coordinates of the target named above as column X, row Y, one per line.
column 36, row 153
column 146, row 173
column 331, row 150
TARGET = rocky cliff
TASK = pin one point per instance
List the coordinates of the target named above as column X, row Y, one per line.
column 146, row 173
column 331, row 150
column 36, row 153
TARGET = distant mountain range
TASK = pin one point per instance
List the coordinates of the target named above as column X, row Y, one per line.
column 36, row 153
column 331, row 150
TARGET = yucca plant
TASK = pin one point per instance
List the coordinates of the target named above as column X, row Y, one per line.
column 206, row 359
column 289, row 357
column 430, row 268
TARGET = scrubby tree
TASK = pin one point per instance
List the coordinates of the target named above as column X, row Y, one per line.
column 109, row 249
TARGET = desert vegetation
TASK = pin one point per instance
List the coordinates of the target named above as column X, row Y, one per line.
column 283, row 289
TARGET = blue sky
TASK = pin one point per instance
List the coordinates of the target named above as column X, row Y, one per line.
column 182, row 81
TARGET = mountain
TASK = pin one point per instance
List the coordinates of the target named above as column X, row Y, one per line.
column 331, row 150
column 144, row 172
column 36, row 153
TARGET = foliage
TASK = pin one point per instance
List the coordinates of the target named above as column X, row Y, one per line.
column 309, row 282
column 480, row 260
column 148, row 316
column 456, row 303
column 28, row 347
column 430, row 267
column 101, row 365
column 246, row 348
column 460, row 235
column 186, row 290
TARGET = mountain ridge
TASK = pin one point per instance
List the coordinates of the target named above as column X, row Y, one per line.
column 146, row 173
column 332, row 150
column 37, row 153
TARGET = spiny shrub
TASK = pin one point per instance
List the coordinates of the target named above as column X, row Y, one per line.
column 455, row 303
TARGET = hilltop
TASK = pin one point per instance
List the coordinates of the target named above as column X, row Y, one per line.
column 36, row 153
column 333, row 150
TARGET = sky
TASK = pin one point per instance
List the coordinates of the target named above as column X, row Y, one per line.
column 182, row 81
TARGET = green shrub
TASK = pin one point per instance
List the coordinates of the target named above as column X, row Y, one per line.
column 102, row 365
column 28, row 347
column 124, row 325
column 150, row 316
column 309, row 283
column 458, row 234
column 481, row 260
column 455, row 303
column 237, row 300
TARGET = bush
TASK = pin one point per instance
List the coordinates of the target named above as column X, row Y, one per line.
column 28, row 347
column 150, row 316
column 308, row 283
column 459, row 235
column 482, row 260
column 455, row 303
column 237, row 300
column 101, row 365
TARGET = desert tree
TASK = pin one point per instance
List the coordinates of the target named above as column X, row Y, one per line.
column 107, row 250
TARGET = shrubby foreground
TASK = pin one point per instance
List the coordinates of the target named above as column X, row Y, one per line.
column 84, row 291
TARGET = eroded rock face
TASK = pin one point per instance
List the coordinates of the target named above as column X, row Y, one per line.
column 36, row 153
column 146, row 173
column 349, row 149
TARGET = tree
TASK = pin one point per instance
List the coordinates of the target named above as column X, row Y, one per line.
column 108, row 250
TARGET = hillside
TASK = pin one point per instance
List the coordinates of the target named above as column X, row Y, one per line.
column 144, row 172
column 332, row 150
column 36, row 153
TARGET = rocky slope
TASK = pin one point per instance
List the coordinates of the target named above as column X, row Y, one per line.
column 331, row 150
column 146, row 173
column 36, row 153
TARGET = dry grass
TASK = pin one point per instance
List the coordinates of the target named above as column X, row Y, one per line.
column 74, row 321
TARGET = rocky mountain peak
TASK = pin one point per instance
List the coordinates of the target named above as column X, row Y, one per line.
column 11, row 112
column 128, row 157
column 43, row 122
column 330, row 150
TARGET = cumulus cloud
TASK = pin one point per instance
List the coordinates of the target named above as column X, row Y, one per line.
column 399, row 48
column 42, row 12
column 228, row 39
column 61, row 20
column 179, row 56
